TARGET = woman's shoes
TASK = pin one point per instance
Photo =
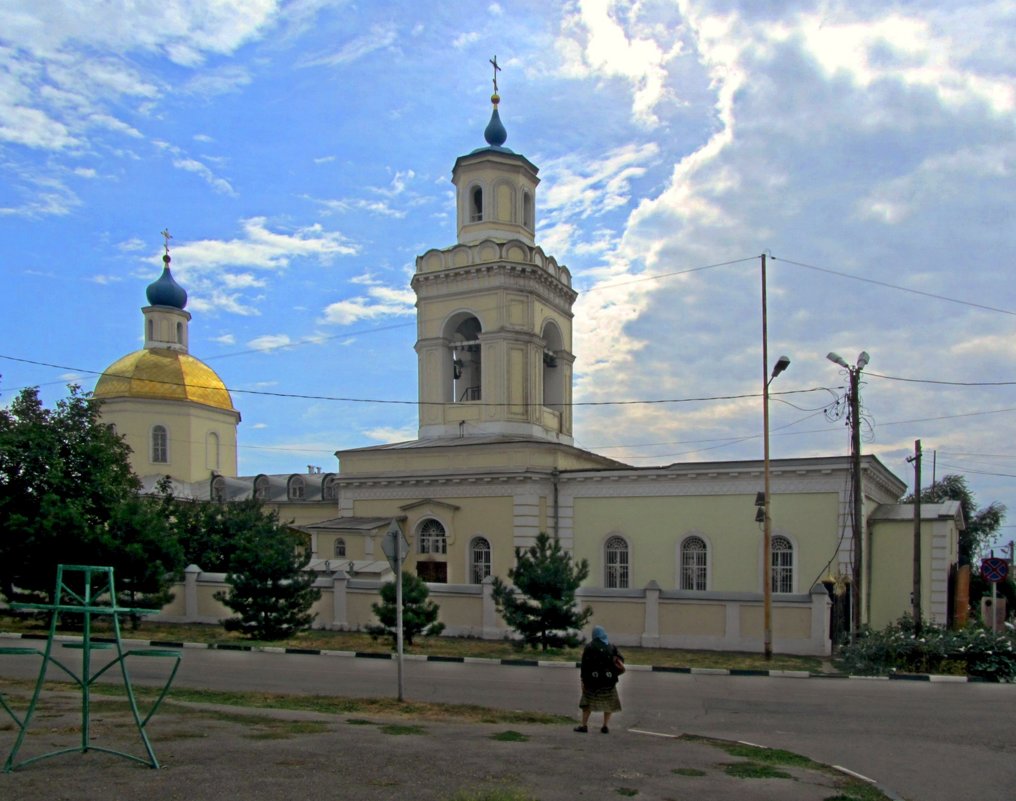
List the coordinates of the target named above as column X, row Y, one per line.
column 604, row 730
column 581, row 729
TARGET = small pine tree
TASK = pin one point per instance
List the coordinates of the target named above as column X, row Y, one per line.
column 419, row 613
column 269, row 589
column 541, row 605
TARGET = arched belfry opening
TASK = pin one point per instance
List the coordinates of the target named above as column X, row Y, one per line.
column 553, row 372
column 466, row 358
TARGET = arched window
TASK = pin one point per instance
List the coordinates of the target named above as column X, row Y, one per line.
column 616, row 562
column 783, row 564
column 553, row 374
column 476, row 204
column 219, row 489
column 296, row 488
column 212, row 451
column 151, row 330
column 330, row 491
column 694, row 564
column 432, row 537
column 527, row 210
column 261, row 485
column 179, row 333
column 340, row 548
column 160, row 445
column 479, row 560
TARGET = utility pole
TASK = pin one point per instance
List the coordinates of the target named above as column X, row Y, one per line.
column 857, row 498
column 916, row 596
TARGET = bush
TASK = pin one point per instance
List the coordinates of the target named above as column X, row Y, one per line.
column 972, row 651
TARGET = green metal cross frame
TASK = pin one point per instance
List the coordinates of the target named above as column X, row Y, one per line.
column 85, row 598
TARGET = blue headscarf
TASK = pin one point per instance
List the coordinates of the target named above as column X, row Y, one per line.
column 599, row 633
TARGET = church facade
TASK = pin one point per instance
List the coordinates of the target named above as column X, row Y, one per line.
column 675, row 551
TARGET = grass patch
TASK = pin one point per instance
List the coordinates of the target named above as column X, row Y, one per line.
column 432, row 646
column 688, row 772
column 626, row 791
column 755, row 770
column 510, row 737
column 492, row 794
column 360, row 722
column 402, row 728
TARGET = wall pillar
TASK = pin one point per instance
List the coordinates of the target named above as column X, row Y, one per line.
column 340, row 609
column 651, row 632
column 190, row 592
column 821, row 636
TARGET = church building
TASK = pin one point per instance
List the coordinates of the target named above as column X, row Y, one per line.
column 675, row 552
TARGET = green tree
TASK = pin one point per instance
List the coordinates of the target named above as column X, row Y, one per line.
column 269, row 589
column 981, row 524
column 419, row 613
column 68, row 495
column 541, row 606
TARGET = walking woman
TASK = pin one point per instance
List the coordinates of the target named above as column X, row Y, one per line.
column 602, row 663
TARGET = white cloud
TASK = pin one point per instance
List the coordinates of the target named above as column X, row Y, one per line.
column 379, row 37
column 196, row 167
column 270, row 342
column 379, row 302
column 389, row 434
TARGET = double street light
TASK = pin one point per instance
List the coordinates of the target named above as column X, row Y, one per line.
column 767, row 526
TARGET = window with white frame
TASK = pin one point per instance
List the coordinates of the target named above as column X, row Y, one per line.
column 694, row 564
column 783, row 564
column 296, row 488
column 340, row 548
column 160, row 444
column 479, row 560
column 616, row 562
column 432, row 537
column 261, row 485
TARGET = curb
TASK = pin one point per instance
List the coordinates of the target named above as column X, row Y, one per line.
column 473, row 660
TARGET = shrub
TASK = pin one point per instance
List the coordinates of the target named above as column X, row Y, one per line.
column 973, row 651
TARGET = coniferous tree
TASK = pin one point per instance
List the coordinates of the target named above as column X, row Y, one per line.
column 419, row 613
column 268, row 587
column 541, row 606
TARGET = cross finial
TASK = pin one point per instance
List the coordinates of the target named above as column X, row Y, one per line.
column 167, row 236
column 497, row 69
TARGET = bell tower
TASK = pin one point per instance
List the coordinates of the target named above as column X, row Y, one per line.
column 494, row 312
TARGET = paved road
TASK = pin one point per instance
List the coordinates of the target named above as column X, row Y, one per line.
column 927, row 741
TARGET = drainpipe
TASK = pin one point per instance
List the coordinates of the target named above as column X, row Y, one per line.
column 555, row 477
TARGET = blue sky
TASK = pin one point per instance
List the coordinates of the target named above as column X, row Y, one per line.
column 300, row 154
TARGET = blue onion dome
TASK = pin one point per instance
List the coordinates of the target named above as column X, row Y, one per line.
column 495, row 132
column 165, row 291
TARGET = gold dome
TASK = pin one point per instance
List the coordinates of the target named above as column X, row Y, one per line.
column 163, row 374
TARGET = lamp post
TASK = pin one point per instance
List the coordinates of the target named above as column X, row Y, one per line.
column 855, row 452
column 767, row 532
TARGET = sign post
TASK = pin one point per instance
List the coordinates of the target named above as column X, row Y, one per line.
column 396, row 548
column 994, row 569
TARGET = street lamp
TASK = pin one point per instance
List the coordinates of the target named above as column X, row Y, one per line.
column 767, row 530
column 855, row 452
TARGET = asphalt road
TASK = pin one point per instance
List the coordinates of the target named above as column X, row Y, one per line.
column 927, row 741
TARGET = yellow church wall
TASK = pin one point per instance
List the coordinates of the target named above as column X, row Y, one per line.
column 655, row 526
column 619, row 616
column 695, row 620
column 488, row 517
column 188, row 426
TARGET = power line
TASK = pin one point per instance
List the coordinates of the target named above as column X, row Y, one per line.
column 897, row 287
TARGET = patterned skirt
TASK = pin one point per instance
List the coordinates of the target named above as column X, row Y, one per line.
column 603, row 699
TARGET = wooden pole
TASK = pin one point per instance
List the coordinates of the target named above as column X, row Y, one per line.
column 916, row 602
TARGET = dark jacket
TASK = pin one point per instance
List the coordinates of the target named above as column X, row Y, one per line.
column 598, row 669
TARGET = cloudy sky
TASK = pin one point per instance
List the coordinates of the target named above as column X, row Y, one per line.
column 300, row 154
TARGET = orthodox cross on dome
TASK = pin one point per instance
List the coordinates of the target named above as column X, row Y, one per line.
column 167, row 236
column 497, row 69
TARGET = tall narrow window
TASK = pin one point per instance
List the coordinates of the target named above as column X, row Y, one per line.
column 432, row 537
column 616, row 552
column 296, row 488
column 179, row 333
column 151, row 330
column 527, row 210
column 212, row 451
column 261, row 485
column 694, row 561
column 340, row 548
column 476, row 204
column 479, row 560
column 783, row 564
column 160, row 445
